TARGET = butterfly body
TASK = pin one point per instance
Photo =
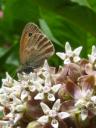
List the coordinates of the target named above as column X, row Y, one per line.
column 35, row 47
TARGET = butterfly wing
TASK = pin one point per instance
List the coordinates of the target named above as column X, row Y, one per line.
column 38, row 49
column 34, row 46
column 28, row 31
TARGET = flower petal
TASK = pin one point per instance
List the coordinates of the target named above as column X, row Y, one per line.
column 77, row 51
column 24, row 95
column 16, row 90
column 51, row 97
column 67, row 61
column 55, row 88
column 93, row 50
column 43, row 120
column 61, row 55
column 46, row 88
column 32, row 88
column 39, row 96
column 4, row 123
column 45, row 108
column 39, row 87
column 63, row 115
column 10, row 115
column 16, row 101
column 93, row 98
column 8, row 81
column 8, row 76
column 68, row 48
column 84, row 114
column 76, row 59
column 91, row 58
column 46, row 66
column 3, row 99
column 56, row 105
column 47, row 80
column 54, row 123
column 17, row 117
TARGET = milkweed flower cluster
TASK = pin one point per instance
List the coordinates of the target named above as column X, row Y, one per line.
column 47, row 98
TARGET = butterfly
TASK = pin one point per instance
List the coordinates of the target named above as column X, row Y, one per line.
column 35, row 47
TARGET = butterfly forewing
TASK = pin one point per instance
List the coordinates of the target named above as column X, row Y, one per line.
column 28, row 31
column 35, row 47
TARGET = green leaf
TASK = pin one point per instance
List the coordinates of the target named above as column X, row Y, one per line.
column 83, row 17
column 82, row 2
column 92, row 4
column 63, row 30
column 2, row 51
column 8, row 52
column 48, row 32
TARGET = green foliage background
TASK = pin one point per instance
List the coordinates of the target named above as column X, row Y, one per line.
column 61, row 21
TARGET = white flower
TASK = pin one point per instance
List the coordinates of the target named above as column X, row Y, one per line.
column 45, row 70
column 18, row 105
column 84, row 114
column 27, row 80
column 32, row 86
column 93, row 98
column 17, row 116
column 92, row 56
column 14, row 95
column 69, row 55
column 47, row 91
column 27, row 77
column 4, row 124
column 3, row 99
column 82, row 97
column 24, row 95
column 16, row 91
column 16, row 100
column 52, row 114
column 8, row 81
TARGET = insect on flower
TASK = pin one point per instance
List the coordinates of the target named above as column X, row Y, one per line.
column 35, row 47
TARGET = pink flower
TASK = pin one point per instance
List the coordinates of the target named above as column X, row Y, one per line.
column 83, row 96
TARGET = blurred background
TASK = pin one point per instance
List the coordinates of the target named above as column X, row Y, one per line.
column 60, row 20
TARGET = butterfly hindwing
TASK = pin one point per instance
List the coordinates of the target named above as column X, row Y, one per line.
column 38, row 49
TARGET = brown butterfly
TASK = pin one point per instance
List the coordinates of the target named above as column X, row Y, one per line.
column 35, row 47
